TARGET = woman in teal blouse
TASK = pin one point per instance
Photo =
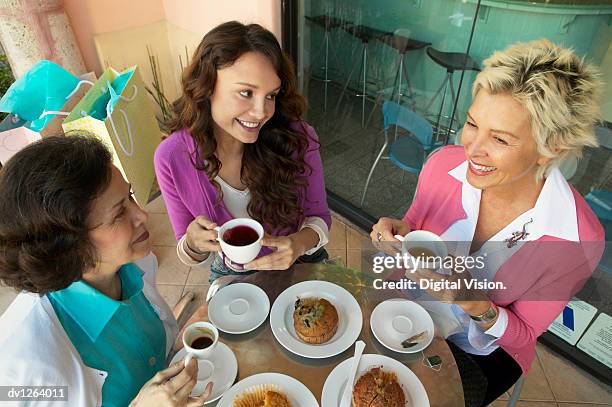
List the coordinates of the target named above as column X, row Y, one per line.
column 89, row 317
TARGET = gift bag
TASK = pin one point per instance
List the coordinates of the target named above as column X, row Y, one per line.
column 54, row 126
column 14, row 136
column 117, row 111
column 44, row 96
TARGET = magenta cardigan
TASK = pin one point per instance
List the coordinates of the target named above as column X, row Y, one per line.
column 541, row 277
column 188, row 193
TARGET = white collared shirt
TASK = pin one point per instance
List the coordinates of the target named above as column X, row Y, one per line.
column 35, row 350
column 554, row 214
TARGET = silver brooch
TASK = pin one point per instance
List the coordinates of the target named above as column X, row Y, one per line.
column 516, row 236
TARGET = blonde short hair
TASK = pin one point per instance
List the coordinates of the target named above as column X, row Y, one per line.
column 560, row 90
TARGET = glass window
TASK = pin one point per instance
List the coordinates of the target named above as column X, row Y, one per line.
column 355, row 55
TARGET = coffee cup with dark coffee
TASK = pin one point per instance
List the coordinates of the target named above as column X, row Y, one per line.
column 240, row 241
column 200, row 340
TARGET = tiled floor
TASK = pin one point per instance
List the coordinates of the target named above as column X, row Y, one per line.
column 552, row 382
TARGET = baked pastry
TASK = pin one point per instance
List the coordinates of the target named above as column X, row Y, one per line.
column 276, row 399
column 262, row 396
column 377, row 388
column 315, row 320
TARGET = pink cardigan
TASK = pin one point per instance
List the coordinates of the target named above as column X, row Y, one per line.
column 188, row 192
column 541, row 277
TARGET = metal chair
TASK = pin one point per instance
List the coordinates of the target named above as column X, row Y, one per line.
column 181, row 307
column 516, row 393
column 408, row 153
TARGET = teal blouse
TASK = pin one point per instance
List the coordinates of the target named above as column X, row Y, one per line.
column 124, row 338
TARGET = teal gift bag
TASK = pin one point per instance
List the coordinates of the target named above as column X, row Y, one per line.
column 41, row 94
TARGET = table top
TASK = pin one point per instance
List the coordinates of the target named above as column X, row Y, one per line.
column 259, row 352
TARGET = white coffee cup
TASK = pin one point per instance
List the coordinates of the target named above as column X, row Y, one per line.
column 190, row 334
column 240, row 255
column 428, row 241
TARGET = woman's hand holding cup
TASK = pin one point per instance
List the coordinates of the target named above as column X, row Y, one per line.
column 172, row 387
column 202, row 236
column 286, row 251
column 384, row 231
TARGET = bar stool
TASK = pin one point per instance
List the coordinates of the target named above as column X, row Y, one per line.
column 328, row 23
column 401, row 41
column 452, row 61
column 365, row 34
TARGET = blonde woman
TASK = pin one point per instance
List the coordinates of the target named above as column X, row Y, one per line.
column 502, row 194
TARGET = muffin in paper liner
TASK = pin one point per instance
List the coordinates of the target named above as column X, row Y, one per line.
column 276, row 399
column 372, row 389
column 254, row 396
column 315, row 320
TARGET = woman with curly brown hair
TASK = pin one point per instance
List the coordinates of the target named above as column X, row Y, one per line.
column 89, row 317
column 239, row 149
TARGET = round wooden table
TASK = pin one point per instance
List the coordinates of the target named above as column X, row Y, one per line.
column 259, row 352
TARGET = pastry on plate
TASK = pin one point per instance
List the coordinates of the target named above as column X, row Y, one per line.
column 377, row 388
column 315, row 320
column 276, row 399
column 266, row 395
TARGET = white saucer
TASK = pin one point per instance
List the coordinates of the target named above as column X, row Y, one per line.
column 238, row 308
column 296, row 392
column 350, row 319
column 223, row 374
column 394, row 321
column 333, row 389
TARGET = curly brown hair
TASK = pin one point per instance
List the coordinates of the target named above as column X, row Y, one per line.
column 273, row 168
column 47, row 190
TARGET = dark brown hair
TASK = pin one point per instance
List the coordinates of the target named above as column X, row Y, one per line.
column 273, row 168
column 47, row 192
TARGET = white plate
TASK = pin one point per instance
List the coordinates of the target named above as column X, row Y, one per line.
column 223, row 375
column 333, row 389
column 394, row 321
column 349, row 319
column 238, row 308
column 296, row 392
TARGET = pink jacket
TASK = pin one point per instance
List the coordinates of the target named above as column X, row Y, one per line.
column 540, row 278
column 188, row 192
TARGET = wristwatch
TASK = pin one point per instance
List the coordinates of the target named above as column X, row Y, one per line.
column 487, row 316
